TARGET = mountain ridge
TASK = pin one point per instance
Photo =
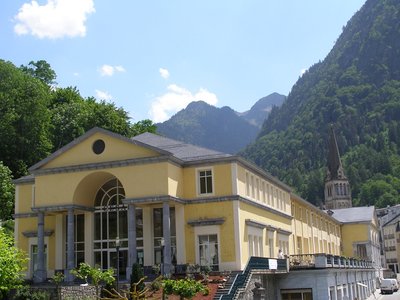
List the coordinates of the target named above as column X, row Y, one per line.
column 222, row 129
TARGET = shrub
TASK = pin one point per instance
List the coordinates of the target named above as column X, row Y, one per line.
column 137, row 274
column 25, row 293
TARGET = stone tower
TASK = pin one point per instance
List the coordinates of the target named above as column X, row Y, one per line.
column 337, row 187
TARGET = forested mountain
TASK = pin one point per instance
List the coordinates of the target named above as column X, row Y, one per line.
column 205, row 125
column 261, row 109
column 356, row 88
column 221, row 129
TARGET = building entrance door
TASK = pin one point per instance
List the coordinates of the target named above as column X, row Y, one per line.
column 123, row 258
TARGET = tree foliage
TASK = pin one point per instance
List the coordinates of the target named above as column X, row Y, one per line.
column 12, row 263
column 6, row 193
column 42, row 70
column 24, row 119
column 37, row 117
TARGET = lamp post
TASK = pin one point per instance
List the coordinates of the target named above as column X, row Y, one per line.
column 162, row 243
column 117, row 245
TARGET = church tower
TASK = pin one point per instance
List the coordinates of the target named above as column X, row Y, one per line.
column 337, row 187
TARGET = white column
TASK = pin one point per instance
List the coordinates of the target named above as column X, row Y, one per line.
column 180, row 232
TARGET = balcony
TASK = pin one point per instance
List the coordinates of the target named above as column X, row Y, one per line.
column 322, row 260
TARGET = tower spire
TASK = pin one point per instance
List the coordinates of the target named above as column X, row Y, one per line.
column 335, row 168
column 337, row 186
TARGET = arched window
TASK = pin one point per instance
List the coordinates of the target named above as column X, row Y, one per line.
column 110, row 218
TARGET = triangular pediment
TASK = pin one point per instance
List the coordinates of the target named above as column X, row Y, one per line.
column 95, row 147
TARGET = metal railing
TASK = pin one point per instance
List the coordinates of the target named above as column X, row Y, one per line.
column 322, row 260
column 255, row 264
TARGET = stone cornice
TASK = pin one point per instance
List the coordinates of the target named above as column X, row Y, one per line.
column 59, row 208
column 206, row 222
column 25, row 215
column 262, row 225
column 152, row 199
column 106, row 165
column 28, row 234
column 255, row 224
column 162, row 198
column 283, row 231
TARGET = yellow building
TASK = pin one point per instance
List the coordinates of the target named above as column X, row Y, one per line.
column 314, row 231
column 360, row 233
column 162, row 200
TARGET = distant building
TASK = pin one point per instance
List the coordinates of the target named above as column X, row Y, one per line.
column 390, row 231
column 337, row 186
column 360, row 230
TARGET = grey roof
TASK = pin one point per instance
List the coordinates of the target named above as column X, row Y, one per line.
column 181, row 150
column 354, row 214
column 393, row 221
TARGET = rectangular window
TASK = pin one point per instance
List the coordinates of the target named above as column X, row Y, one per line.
column 158, row 234
column 252, row 187
column 34, row 254
column 79, row 238
column 271, row 247
column 205, row 182
column 247, row 185
column 263, row 191
column 208, row 251
column 257, row 189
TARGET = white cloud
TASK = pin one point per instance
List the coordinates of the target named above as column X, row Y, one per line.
column 164, row 73
column 175, row 99
column 107, row 70
column 101, row 95
column 55, row 19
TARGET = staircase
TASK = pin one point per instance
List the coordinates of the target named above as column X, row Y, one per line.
column 238, row 282
column 227, row 285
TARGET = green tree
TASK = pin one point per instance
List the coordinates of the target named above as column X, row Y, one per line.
column 69, row 113
column 142, row 127
column 12, row 263
column 42, row 70
column 107, row 116
column 24, row 119
column 6, row 193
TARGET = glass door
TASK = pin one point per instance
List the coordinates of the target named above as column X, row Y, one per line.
column 208, row 251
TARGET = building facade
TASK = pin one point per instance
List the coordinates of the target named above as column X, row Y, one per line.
column 165, row 201
column 173, row 203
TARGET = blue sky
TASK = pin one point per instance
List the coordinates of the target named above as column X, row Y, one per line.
column 153, row 57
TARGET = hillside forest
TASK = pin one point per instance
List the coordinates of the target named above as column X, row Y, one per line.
column 357, row 89
column 37, row 118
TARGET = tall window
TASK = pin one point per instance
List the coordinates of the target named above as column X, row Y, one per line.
column 110, row 219
column 158, row 234
column 79, row 238
column 205, row 182
column 208, row 250
column 34, row 259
